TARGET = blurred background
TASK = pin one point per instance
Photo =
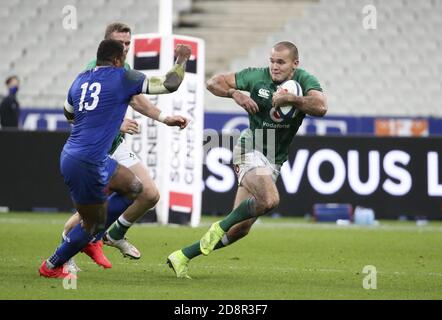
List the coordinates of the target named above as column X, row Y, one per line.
column 356, row 66
column 379, row 63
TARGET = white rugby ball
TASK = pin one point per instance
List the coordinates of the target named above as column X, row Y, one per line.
column 293, row 87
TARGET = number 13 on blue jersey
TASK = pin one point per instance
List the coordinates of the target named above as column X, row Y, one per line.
column 95, row 89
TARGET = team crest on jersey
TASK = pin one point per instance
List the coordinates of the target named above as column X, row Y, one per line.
column 264, row 93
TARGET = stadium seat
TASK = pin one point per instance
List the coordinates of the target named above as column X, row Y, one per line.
column 384, row 65
column 401, row 55
column 36, row 41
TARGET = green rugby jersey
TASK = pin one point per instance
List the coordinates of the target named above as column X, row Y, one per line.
column 119, row 138
column 259, row 83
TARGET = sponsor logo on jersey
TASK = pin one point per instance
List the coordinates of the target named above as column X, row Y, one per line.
column 275, row 125
column 264, row 93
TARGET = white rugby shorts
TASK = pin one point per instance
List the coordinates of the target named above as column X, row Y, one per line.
column 124, row 156
column 243, row 163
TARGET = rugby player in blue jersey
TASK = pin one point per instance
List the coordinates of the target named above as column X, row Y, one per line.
column 97, row 102
column 119, row 223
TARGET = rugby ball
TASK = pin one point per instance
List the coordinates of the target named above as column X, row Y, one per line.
column 293, row 87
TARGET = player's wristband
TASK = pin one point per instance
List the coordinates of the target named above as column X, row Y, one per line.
column 161, row 117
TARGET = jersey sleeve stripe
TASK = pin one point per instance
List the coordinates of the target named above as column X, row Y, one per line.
column 145, row 85
column 68, row 107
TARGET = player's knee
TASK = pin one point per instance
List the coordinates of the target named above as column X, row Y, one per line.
column 135, row 188
column 150, row 196
column 267, row 203
column 276, row 200
column 154, row 197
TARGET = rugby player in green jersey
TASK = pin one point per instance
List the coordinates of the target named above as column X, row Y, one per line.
column 257, row 160
column 115, row 235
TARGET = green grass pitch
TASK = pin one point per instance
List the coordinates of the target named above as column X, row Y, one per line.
column 280, row 259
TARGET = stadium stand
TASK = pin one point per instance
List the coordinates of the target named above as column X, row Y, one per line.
column 233, row 29
column 46, row 56
column 394, row 69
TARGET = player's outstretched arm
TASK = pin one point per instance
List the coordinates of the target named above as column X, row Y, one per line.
column 147, row 108
column 224, row 85
column 143, row 105
column 172, row 80
column 314, row 104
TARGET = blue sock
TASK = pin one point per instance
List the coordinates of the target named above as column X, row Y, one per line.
column 76, row 239
column 116, row 205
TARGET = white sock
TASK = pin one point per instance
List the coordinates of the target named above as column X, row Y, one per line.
column 124, row 222
column 225, row 240
column 49, row 264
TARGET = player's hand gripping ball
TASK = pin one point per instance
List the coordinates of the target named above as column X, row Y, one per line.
column 293, row 87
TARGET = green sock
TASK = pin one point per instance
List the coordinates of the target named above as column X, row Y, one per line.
column 194, row 250
column 243, row 212
column 117, row 230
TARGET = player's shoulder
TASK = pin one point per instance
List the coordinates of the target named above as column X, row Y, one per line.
column 112, row 74
column 108, row 74
column 254, row 74
column 133, row 75
column 83, row 74
column 301, row 73
column 109, row 69
column 307, row 80
column 255, row 71
column 75, row 85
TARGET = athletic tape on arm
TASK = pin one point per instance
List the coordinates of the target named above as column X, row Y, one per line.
column 168, row 83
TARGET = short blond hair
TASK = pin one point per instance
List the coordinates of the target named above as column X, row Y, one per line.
column 287, row 45
column 116, row 27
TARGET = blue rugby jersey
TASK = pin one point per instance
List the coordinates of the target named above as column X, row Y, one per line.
column 99, row 98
